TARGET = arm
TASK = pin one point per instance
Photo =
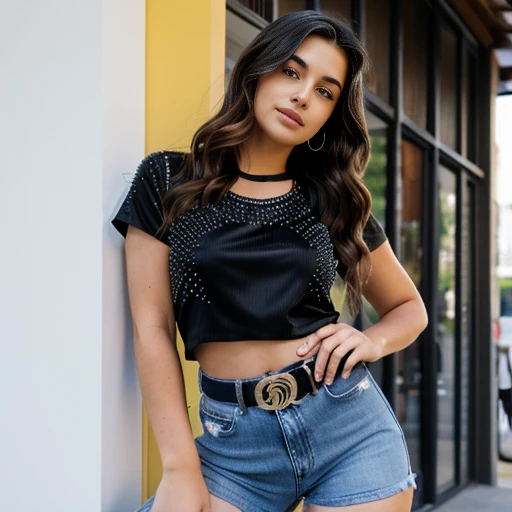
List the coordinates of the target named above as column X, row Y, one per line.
column 396, row 300
column 402, row 318
column 160, row 373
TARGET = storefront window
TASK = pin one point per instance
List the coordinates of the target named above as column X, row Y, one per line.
column 415, row 20
column 468, row 107
column 377, row 45
column 343, row 7
column 376, row 179
column 264, row 8
column 448, row 87
column 239, row 33
column 410, row 371
column 286, row 6
column 445, row 335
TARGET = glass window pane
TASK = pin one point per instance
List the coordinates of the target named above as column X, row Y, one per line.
column 375, row 179
column 445, row 335
column 342, row 7
column 468, row 107
column 448, row 87
column 415, row 16
column 410, row 371
column 265, row 8
column 239, row 33
column 377, row 45
column 286, row 6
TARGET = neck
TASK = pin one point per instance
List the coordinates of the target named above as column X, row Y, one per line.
column 262, row 157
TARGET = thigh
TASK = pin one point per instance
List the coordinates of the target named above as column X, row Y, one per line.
column 401, row 502
column 220, row 505
column 217, row 505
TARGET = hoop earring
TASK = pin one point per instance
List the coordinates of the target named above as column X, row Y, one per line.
column 319, row 147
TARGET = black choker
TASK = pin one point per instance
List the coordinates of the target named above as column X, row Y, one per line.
column 265, row 177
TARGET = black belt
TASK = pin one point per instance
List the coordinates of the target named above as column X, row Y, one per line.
column 275, row 391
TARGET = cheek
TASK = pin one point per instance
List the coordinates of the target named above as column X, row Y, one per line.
column 264, row 97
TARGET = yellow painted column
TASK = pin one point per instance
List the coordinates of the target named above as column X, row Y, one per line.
column 185, row 55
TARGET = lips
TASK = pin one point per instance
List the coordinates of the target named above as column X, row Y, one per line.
column 291, row 113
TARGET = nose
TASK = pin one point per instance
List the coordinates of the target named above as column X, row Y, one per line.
column 302, row 97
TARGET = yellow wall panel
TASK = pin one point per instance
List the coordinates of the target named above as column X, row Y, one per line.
column 185, row 52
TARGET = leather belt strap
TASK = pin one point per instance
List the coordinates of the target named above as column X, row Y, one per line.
column 272, row 392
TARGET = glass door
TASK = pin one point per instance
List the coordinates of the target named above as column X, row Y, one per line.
column 409, row 364
column 445, row 336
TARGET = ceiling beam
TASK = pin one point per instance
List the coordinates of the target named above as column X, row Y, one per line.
column 489, row 29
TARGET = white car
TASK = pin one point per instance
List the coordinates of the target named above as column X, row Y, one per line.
column 505, row 331
column 504, row 354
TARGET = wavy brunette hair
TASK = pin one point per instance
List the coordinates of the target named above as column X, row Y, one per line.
column 332, row 177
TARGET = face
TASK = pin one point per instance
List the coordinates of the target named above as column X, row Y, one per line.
column 309, row 84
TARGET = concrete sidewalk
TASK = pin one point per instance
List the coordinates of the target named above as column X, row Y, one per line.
column 480, row 498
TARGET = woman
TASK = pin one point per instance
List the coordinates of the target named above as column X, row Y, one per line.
column 239, row 241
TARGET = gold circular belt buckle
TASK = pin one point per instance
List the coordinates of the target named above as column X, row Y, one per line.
column 280, row 391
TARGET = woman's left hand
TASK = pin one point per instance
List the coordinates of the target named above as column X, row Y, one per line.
column 333, row 342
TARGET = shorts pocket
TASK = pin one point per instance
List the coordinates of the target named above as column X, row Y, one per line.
column 218, row 418
column 357, row 381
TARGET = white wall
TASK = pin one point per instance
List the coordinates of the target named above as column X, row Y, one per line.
column 71, row 121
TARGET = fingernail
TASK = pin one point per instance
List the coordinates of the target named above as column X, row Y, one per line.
column 317, row 377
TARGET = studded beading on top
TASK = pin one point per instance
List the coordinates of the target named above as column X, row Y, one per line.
column 241, row 269
column 289, row 210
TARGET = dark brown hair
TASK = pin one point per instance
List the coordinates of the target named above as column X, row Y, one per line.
column 332, row 177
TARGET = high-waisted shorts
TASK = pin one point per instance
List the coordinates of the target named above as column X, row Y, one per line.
column 340, row 447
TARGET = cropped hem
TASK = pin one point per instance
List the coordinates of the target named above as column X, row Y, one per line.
column 377, row 494
column 224, row 493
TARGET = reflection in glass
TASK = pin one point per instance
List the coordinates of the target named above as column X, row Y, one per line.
column 343, row 7
column 239, row 33
column 377, row 45
column 264, row 8
column 468, row 106
column 415, row 17
column 445, row 335
column 375, row 177
column 375, row 180
column 286, row 6
column 410, row 371
column 467, row 312
column 448, row 87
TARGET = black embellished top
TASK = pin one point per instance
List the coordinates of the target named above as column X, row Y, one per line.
column 244, row 268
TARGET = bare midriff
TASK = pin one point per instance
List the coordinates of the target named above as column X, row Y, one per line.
column 247, row 359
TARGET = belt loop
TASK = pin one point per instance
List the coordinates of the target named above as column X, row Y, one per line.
column 240, row 396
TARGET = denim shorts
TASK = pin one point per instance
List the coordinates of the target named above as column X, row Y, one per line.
column 340, row 447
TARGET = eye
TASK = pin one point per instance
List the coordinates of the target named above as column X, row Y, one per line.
column 328, row 94
column 289, row 69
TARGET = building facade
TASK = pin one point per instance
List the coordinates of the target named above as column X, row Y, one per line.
column 429, row 100
column 91, row 88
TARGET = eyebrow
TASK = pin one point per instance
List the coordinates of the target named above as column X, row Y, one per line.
column 302, row 63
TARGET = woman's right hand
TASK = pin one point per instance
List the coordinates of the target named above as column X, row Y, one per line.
column 182, row 489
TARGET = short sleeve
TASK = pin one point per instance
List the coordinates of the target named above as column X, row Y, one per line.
column 373, row 234
column 142, row 205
